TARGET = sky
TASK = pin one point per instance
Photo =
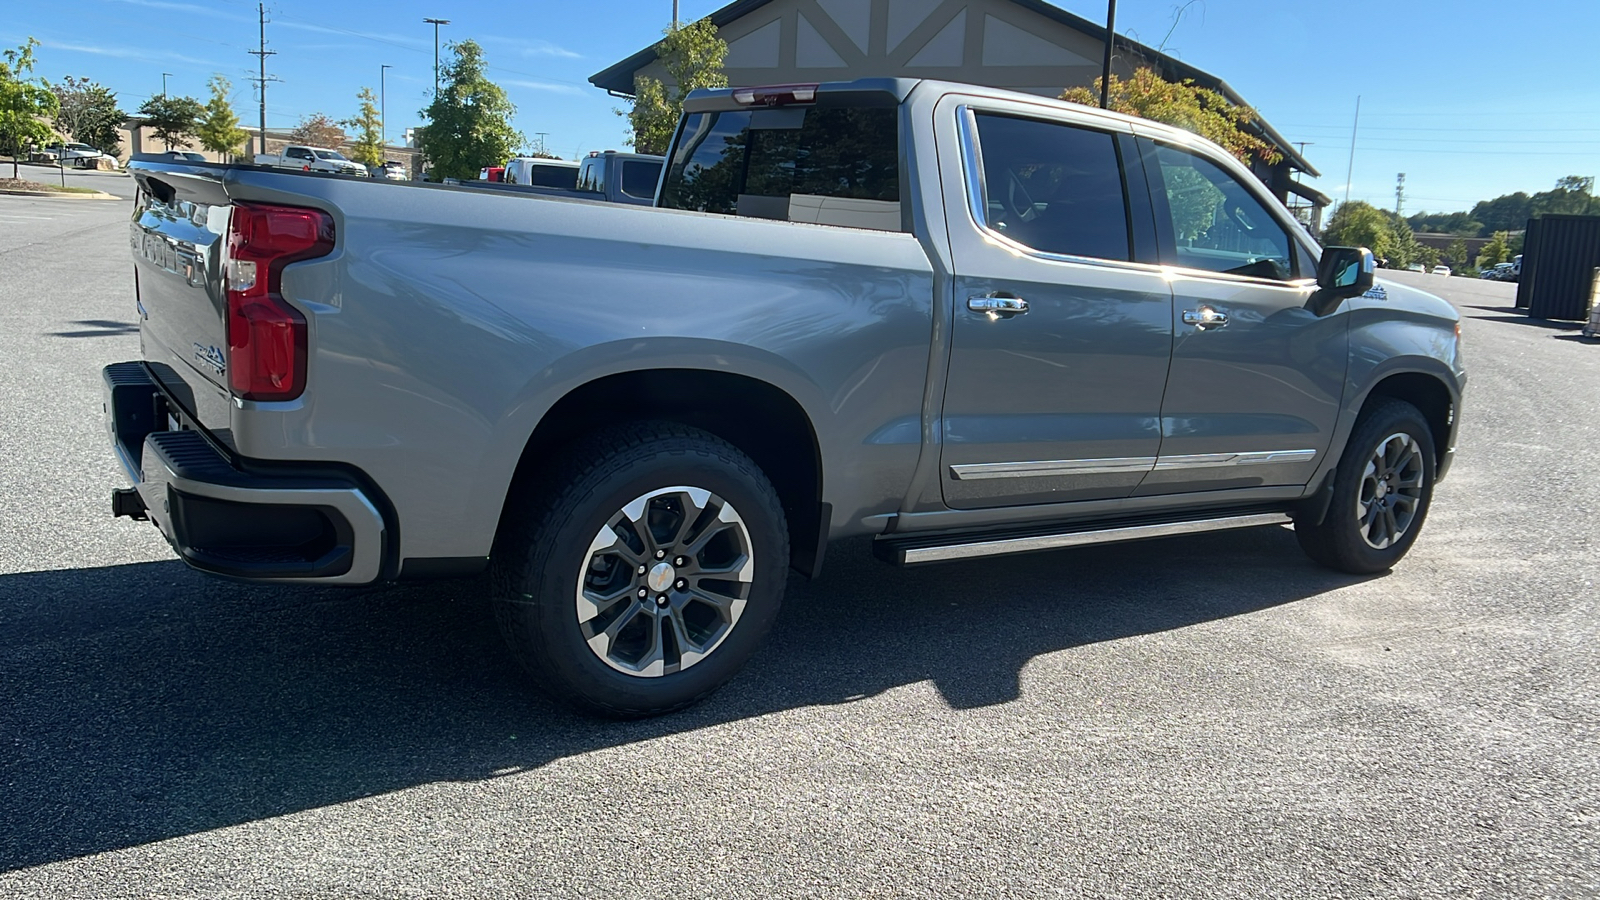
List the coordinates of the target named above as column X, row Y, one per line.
column 1469, row 98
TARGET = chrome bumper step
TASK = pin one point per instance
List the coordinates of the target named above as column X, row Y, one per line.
column 908, row 550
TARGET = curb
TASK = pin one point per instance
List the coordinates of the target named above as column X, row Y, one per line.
column 61, row 195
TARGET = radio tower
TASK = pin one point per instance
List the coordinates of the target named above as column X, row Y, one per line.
column 261, row 81
column 1400, row 196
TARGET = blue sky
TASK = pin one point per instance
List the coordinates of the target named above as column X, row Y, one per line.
column 1470, row 98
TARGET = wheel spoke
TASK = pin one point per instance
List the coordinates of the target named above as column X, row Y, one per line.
column 741, row 569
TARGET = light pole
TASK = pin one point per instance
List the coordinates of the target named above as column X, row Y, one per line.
column 436, row 23
column 164, row 76
column 383, row 104
column 1111, row 39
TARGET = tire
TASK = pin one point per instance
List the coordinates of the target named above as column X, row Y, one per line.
column 1382, row 489
column 655, row 507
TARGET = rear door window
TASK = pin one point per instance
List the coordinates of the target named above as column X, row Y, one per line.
column 1054, row 187
column 639, row 178
column 831, row 166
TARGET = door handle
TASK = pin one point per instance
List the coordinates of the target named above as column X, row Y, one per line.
column 1205, row 318
column 998, row 307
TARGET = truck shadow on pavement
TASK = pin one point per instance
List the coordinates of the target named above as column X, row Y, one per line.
column 144, row 702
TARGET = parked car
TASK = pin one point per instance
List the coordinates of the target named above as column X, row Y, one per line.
column 541, row 172
column 620, row 177
column 389, row 169
column 1497, row 272
column 1417, row 267
column 76, row 154
column 1441, row 270
column 640, row 419
column 311, row 159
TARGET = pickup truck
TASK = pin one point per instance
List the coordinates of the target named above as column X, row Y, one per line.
column 602, row 177
column 311, row 159
column 963, row 321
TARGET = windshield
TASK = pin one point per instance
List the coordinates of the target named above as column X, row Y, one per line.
column 328, row 154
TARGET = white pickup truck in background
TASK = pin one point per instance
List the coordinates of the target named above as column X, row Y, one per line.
column 312, row 159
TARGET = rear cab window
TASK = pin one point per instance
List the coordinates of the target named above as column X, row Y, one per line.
column 835, row 164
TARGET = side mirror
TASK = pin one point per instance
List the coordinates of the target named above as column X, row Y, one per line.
column 1344, row 272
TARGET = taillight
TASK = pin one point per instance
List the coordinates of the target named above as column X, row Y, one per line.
column 266, row 336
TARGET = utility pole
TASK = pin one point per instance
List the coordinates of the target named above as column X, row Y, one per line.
column 674, row 14
column 436, row 23
column 1111, row 39
column 1351, row 171
column 164, row 77
column 541, row 135
column 261, row 82
column 1400, row 196
column 383, row 104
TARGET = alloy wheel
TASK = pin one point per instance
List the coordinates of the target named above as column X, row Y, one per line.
column 1391, row 491
column 665, row 581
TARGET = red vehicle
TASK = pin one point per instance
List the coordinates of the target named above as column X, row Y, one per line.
column 492, row 173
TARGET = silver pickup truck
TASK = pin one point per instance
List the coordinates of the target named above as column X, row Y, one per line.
column 963, row 321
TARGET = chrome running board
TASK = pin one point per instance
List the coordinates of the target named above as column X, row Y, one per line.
column 909, row 550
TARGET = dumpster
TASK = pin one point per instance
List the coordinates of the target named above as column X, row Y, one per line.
column 1559, row 256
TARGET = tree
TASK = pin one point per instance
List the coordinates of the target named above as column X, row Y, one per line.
column 89, row 114
column 1360, row 224
column 219, row 131
column 469, row 120
column 172, row 119
column 317, row 130
column 1497, row 251
column 1185, row 105
column 1457, row 254
column 24, row 104
column 693, row 56
column 368, row 149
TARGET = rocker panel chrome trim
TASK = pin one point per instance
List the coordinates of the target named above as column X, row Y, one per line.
column 979, row 548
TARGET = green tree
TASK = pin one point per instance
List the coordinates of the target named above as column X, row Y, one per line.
column 368, row 149
column 1497, row 251
column 693, row 56
column 89, row 114
column 172, row 119
column 25, row 104
column 1457, row 254
column 1185, row 105
column 469, row 120
column 317, row 130
column 1360, row 224
column 219, row 131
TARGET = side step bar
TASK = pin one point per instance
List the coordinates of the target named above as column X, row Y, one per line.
column 908, row 550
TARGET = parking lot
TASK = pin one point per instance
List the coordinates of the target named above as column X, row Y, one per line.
column 1212, row 716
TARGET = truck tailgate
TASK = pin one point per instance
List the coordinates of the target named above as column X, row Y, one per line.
column 179, row 239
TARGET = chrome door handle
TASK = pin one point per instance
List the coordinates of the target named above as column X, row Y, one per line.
column 998, row 307
column 1205, row 318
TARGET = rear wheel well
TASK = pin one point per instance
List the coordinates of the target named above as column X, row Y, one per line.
column 1429, row 395
column 758, row 418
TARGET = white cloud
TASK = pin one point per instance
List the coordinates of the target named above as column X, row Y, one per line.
column 138, row 53
column 548, row 87
column 189, row 8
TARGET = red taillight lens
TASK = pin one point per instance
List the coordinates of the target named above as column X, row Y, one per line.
column 266, row 336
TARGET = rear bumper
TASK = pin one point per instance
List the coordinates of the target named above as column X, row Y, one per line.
column 238, row 518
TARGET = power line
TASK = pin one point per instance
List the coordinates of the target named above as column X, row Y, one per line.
column 262, row 80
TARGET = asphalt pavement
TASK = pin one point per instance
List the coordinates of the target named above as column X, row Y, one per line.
column 1209, row 717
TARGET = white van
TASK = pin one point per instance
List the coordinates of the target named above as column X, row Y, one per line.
column 540, row 172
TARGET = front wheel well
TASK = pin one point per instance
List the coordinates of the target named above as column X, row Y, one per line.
column 1429, row 395
column 760, row 419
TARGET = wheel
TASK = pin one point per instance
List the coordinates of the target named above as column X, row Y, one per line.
column 642, row 576
column 1381, row 492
